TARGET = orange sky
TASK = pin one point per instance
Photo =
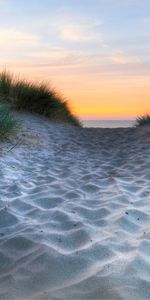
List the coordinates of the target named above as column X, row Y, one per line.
column 115, row 98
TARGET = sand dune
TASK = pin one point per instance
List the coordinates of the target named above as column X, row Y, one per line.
column 75, row 213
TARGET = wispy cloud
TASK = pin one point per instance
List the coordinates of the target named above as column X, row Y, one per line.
column 11, row 39
column 14, row 37
column 121, row 58
column 86, row 32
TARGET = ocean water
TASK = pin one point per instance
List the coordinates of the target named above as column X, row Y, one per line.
column 108, row 123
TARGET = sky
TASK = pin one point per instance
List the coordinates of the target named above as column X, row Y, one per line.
column 94, row 52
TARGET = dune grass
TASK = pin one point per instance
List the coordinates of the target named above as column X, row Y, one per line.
column 7, row 122
column 143, row 120
column 6, row 82
column 37, row 98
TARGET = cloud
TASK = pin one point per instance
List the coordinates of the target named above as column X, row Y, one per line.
column 32, row 51
column 82, row 32
column 119, row 57
column 76, row 33
column 12, row 40
column 73, row 33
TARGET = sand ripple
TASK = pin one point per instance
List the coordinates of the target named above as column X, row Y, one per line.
column 75, row 214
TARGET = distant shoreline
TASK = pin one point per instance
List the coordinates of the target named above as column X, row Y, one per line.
column 109, row 123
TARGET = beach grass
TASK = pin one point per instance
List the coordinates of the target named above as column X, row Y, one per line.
column 36, row 98
column 143, row 120
column 6, row 83
column 8, row 124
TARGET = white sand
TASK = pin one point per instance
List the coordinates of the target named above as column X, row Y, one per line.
column 75, row 213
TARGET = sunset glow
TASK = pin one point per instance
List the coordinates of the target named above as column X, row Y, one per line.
column 96, row 53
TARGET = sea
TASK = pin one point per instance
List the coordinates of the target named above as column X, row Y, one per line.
column 108, row 123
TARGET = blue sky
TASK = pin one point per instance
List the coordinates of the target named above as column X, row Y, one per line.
column 79, row 46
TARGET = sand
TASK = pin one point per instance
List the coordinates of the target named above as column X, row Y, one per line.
column 74, row 213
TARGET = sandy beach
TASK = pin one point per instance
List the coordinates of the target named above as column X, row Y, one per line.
column 74, row 212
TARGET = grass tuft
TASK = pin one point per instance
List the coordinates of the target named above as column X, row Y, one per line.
column 6, row 83
column 7, row 122
column 37, row 98
column 143, row 120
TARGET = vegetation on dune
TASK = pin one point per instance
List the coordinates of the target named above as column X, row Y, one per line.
column 6, row 82
column 143, row 120
column 38, row 98
column 7, row 122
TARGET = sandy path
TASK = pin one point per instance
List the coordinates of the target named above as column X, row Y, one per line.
column 75, row 213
